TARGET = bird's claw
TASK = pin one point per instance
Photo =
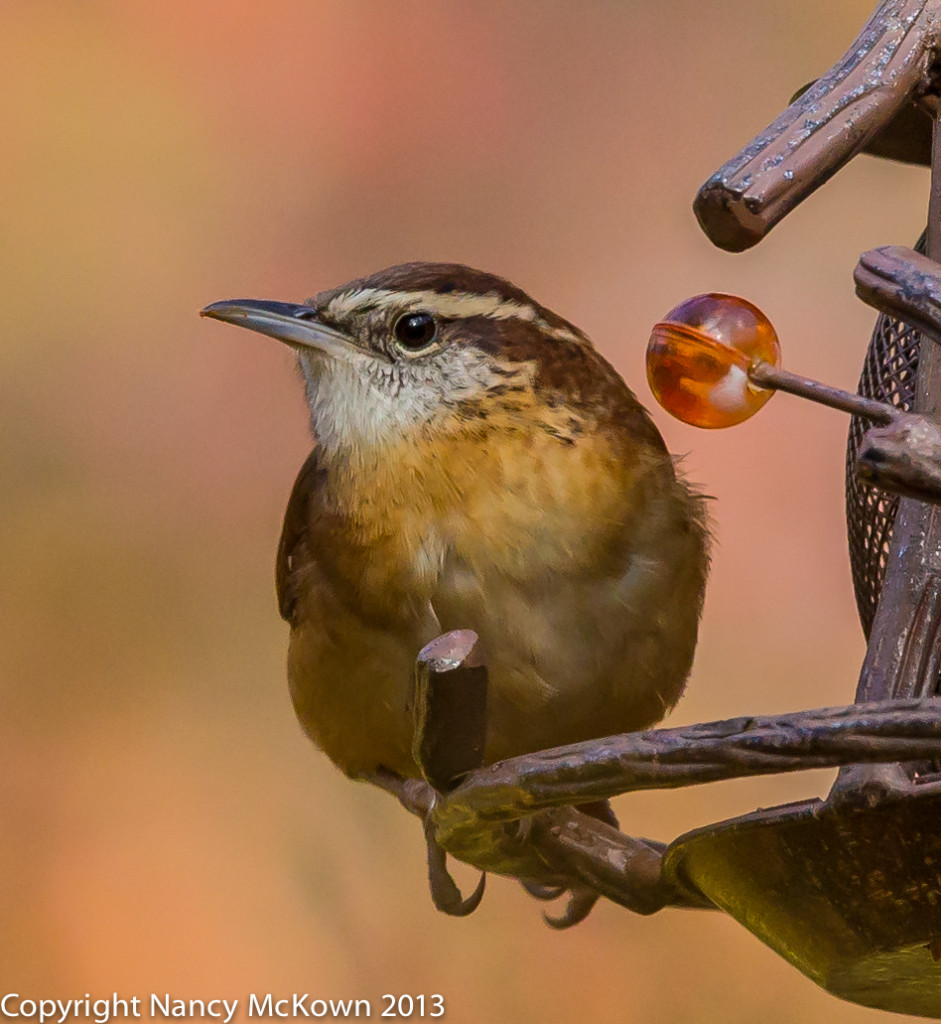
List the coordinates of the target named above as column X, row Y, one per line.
column 445, row 894
column 579, row 907
column 540, row 891
column 418, row 797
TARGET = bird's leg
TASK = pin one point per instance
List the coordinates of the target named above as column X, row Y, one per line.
column 444, row 891
column 414, row 795
column 449, row 705
column 450, row 713
column 418, row 797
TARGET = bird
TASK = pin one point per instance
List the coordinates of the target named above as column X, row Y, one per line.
column 477, row 464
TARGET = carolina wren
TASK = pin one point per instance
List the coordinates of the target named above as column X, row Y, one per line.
column 477, row 465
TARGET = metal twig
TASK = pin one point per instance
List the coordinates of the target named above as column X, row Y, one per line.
column 475, row 821
column 765, row 375
column 887, row 67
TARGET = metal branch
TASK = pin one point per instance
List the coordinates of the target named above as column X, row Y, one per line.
column 877, row 79
column 623, row 869
column 765, row 375
column 476, row 821
column 516, row 817
column 904, row 284
column 904, row 455
column 905, row 139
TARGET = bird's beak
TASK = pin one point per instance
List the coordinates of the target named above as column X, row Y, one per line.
column 297, row 326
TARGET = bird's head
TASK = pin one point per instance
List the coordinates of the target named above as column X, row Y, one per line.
column 425, row 343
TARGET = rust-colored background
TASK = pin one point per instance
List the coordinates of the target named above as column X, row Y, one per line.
column 164, row 826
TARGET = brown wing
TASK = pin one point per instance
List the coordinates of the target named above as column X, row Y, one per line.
column 294, row 553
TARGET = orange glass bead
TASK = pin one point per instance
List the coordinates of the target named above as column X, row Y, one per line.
column 698, row 358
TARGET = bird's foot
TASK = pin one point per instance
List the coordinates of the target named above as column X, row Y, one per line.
column 578, row 908
column 541, row 891
column 581, row 899
column 580, row 904
column 418, row 797
column 444, row 891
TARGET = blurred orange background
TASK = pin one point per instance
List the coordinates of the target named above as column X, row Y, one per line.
column 165, row 825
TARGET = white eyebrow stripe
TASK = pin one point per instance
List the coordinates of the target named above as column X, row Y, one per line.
column 447, row 304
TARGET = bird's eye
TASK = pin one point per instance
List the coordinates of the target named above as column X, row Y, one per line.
column 415, row 331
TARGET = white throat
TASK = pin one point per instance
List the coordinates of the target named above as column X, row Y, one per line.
column 360, row 403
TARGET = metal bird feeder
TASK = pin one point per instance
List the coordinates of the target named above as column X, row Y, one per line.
column 847, row 888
